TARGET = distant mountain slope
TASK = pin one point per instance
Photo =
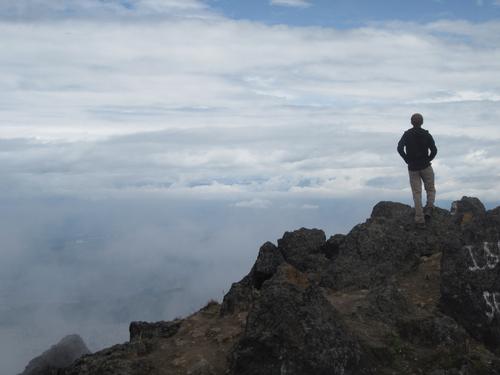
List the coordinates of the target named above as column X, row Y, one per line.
column 61, row 355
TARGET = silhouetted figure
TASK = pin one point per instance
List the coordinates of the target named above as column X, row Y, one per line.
column 417, row 148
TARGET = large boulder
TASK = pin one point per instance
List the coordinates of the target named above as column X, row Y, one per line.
column 303, row 248
column 59, row 356
column 266, row 265
column 241, row 294
column 470, row 272
column 239, row 297
column 292, row 329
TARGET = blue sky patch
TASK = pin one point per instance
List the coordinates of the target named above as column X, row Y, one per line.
column 353, row 13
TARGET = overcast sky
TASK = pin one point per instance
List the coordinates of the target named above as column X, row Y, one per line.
column 197, row 130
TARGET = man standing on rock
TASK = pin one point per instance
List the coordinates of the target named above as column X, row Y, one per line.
column 414, row 147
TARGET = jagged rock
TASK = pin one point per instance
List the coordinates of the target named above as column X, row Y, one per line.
column 332, row 246
column 470, row 272
column 292, row 329
column 267, row 263
column 241, row 294
column 239, row 297
column 302, row 248
column 494, row 215
column 387, row 244
column 144, row 330
column 61, row 355
column 467, row 208
column 122, row 359
column 130, row 358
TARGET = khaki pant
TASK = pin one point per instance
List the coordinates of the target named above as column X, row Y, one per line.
column 416, row 177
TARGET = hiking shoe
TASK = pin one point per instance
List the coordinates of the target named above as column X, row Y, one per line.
column 428, row 212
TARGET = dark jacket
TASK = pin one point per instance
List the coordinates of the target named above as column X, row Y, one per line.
column 414, row 148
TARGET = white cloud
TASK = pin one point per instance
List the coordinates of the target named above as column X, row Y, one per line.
column 462, row 96
column 253, row 203
column 309, row 206
column 110, row 9
column 219, row 108
column 292, row 3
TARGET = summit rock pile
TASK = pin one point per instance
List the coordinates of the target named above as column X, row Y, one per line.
column 386, row 298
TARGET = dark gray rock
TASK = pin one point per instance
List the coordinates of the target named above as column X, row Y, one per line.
column 470, row 215
column 267, row 263
column 391, row 210
column 387, row 303
column 387, row 244
column 467, row 205
column 239, row 297
column 123, row 359
column 433, row 331
column 145, row 330
column 292, row 329
column 202, row 367
column 131, row 358
column 470, row 272
column 300, row 245
column 302, row 248
column 332, row 246
column 61, row 355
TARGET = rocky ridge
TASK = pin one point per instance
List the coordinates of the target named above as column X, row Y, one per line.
column 386, row 298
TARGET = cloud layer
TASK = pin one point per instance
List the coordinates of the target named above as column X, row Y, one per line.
column 33, row 10
column 211, row 108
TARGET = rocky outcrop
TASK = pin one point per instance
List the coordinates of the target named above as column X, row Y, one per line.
column 130, row 358
column 362, row 274
column 383, row 246
column 61, row 355
column 302, row 248
column 123, row 359
column 241, row 294
column 196, row 345
column 292, row 329
column 470, row 282
column 386, row 298
column 145, row 330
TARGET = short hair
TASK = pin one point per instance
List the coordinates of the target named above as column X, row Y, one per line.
column 417, row 119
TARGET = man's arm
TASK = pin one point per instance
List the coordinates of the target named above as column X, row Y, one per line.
column 433, row 148
column 401, row 148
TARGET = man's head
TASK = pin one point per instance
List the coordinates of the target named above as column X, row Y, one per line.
column 417, row 120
